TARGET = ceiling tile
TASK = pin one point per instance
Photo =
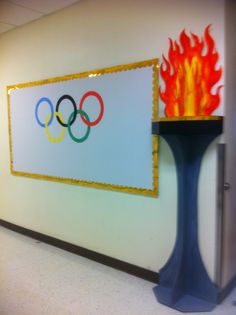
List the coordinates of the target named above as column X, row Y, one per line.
column 45, row 6
column 16, row 15
column 5, row 27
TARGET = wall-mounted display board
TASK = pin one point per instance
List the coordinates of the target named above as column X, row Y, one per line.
column 91, row 129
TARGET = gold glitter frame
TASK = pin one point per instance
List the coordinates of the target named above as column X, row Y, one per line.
column 141, row 191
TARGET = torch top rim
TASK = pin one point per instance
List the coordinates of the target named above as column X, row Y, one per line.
column 187, row 118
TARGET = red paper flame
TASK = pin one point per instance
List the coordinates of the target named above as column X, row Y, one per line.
column 189, row 76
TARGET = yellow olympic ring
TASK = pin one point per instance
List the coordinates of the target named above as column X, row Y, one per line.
column 62, row 134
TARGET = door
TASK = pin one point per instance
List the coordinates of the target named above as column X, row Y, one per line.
column 228, row 242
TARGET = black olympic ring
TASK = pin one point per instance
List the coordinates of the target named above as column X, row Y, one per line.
column 62, row 98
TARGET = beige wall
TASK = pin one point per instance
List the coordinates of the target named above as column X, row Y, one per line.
column 94, row 34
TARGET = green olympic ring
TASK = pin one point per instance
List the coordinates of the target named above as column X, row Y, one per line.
column 82, row 139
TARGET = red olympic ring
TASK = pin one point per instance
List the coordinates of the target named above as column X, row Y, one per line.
column 98, row 96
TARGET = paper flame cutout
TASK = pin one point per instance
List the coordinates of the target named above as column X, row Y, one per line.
column 189, row 76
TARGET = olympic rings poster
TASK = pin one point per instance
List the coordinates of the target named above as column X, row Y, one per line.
column 91, row 129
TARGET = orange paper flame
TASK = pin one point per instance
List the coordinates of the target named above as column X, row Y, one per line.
column 189, row 76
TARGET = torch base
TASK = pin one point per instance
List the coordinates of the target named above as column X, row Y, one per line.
column 187, row 303
column 184, row 283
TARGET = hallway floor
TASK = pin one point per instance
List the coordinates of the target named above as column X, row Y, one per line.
column 39, row 279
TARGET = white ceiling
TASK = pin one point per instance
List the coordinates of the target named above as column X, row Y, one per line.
column 14, row 13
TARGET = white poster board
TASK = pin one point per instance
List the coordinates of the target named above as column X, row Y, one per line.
column 91, row 129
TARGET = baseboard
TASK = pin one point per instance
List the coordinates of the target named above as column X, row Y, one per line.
column 227, row 289
column 81, row 251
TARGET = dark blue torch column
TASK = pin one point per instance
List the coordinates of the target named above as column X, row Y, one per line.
column 184, row 283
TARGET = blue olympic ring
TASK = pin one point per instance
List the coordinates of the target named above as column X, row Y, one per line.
column 47, row 100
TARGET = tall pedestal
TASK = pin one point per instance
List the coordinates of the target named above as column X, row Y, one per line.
column 184, row 283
